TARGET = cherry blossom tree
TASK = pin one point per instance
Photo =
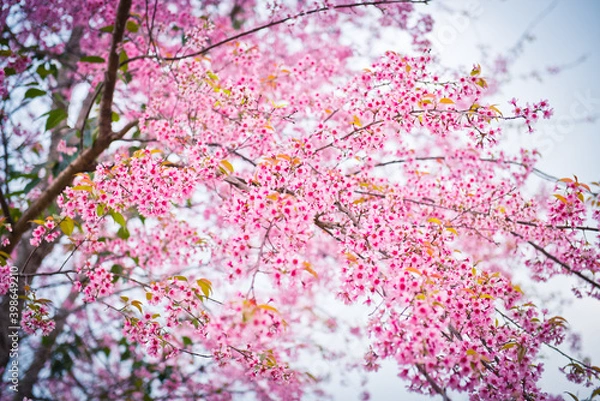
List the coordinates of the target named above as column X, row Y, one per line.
column 184, row 184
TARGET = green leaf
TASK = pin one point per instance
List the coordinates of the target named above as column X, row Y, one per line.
column 118, row 218
column 33, row 93
column 67, row 225
column 116, row 269
column 122, row 59
column 186, row 341
column 32, row 184
column 44, row 71
column 92, row 59
column 6, row 53
column 115, row 117
column 100, row 210
column 55, row 117
column 123, row 233
column 46, row 342
column 107, row 29
column 132, row 26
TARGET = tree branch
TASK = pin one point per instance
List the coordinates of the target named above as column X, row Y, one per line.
column 121, row 133
column 558, row 261
column 110, row 78
column 5, row 208
column 87, row 157
column 436, row 387
column 279, row 22
column 543, row 175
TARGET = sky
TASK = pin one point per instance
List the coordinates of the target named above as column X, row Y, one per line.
column 555, row 33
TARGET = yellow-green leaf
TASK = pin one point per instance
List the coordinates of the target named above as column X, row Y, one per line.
column 87, row 188
column 561, row 198
column 434, row 220
column 205, row 286
column 132, row 26
column 494, row 108
column 268, row 307
column 508, row 345
column 452, row 230
column 476, row 70
column 67, row 225
column 118, row 218
column 92, row 59
column 226, row 167
column 573, row 396
column 137, row 304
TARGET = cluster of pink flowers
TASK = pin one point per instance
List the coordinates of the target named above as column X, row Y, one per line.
column 36, row 316
column 531, row 113
column 47, row 231
column 5, row 278
column 98, row 282
column 146, row 332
